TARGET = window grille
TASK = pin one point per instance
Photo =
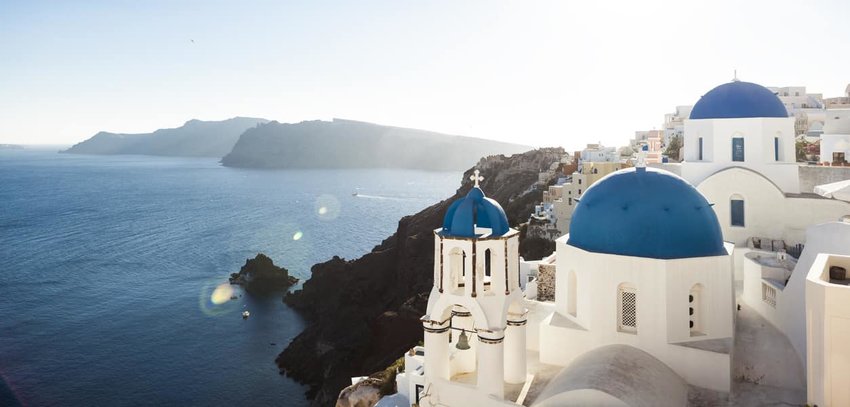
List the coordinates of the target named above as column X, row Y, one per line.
column 628, row 310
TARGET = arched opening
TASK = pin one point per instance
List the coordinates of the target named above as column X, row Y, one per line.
column 627, row 308
column 457, row 267
column 700, row 150
column 696, row 310
column 463, row 346
column 736, row 208
column 488, row 281
column 572, row 291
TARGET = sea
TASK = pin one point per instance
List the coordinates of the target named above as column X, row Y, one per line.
column 113, row 272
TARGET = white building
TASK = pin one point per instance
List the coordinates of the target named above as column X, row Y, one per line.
column 644, row 265
column 841, row 102
column 599, row 153
column 645, row 292
column 806, row 108
column 741, row 124
column 674, row 123
column 835, row 141
column 828, row 330
column 475, row 322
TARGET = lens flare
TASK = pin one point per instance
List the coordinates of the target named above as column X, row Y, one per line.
column 297, row 236
column 215, row 298
column 327, row 207
column 221, row 294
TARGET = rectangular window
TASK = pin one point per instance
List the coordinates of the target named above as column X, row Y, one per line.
column 700, row 149
column 776, row 148
column 737, row 212
column 737, row 149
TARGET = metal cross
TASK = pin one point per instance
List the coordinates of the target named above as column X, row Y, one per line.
column 475, row 177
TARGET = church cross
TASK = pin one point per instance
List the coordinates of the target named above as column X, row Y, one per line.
column 475, row 177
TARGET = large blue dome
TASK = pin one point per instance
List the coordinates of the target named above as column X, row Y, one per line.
column 475, row 210
column 646, row 212
column 736, row 100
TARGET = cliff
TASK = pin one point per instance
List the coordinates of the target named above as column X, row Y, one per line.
column 351, row 144
column 195, row 138
column 362, row 314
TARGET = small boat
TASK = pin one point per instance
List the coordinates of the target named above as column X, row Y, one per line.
column 354, row 194
column 245, row 314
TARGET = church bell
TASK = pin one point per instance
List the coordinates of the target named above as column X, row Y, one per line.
column 462, row 341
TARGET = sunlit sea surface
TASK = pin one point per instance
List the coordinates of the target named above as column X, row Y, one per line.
column 108, row 265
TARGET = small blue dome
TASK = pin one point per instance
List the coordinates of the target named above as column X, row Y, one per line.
column 475, row 210
column 736, row 100
column 646, row 212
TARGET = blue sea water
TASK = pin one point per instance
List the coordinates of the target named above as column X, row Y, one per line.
column 108, row 265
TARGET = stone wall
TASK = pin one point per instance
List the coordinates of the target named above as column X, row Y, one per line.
column 813, row 175
column 546, row 282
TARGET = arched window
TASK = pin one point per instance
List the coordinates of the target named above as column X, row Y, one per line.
column 571, row 294
column 695, row 310
column 627, row 308
column 736, row 204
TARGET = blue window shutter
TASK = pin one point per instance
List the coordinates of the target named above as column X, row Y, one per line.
column 700, row 148
column 737, row 149
column 737, row 212
column 776, row 148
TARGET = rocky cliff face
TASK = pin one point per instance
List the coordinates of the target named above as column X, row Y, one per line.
column 364, row 313
column 195, row 138
column 352, row 144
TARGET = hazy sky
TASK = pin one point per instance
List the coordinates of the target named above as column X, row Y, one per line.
column 542, row 73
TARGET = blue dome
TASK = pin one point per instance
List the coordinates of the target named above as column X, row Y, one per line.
column 646, row 212
column 475, row 210
column 736, row 100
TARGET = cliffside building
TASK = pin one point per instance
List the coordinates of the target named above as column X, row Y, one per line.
column 722, row 285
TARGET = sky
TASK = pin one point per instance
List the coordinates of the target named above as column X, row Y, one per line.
column 543, row 73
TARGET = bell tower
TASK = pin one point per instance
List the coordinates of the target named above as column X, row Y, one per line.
column 475, row 321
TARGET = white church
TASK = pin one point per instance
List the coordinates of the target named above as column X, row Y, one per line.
column 709, row 282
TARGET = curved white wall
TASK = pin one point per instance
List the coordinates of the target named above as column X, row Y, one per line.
column 768, row 211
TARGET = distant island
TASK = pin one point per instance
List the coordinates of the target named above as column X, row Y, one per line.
column 196, row 138
column 353, row 144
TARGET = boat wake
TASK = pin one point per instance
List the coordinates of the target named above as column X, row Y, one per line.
column 388, row 198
